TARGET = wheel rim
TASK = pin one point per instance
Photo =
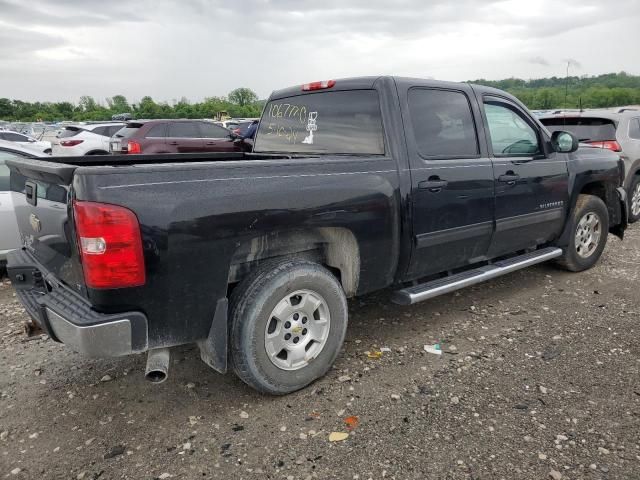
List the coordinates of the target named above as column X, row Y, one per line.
column 297, row 330
column 635, row 201
column 588, row 234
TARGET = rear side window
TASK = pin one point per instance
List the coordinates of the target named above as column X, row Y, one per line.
column 634, row 128
column 157, row 131
column 209, row 130
column 69, row 132
column 112, row 130
column 183, row 130
column 342, row 122
column 100, row 131
column 587, row 129
column 442, row 123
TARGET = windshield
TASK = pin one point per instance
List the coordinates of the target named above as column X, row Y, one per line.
column 585, row 129
column 345, row 122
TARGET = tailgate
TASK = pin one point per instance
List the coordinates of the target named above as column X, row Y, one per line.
column 41, row 198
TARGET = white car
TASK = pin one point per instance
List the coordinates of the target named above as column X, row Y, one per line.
column 9, row 235
column 85, row 139
column 30, row 143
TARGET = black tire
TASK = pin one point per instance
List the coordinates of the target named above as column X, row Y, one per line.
column 634, row 190
column 572, row 260
column 252, row 304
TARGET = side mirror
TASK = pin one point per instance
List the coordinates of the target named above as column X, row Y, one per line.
column 564, row 142
column 232, row 136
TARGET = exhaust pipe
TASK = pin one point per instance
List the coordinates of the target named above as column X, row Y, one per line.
column 157, row 365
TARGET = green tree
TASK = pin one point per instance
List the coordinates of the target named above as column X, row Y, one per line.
column 242, row 96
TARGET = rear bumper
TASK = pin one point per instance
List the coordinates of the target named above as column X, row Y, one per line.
column 68, row 318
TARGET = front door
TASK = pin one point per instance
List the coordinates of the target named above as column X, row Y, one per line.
column 216, row 138
column 185, row 137
column 451, row 177
column 531, row 185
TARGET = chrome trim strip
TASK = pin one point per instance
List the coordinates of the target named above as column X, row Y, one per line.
column 432, row 289
column 111, row 339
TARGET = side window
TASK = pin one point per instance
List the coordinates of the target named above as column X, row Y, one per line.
column 99, row 131
column 510, row 133
column 209, row 130
column 157, row 131
column 113, row 130
column 15, row 137
column 183, row 130
column 442, row 123
column 634, row 128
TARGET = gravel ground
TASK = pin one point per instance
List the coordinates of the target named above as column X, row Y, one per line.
column 539, row 379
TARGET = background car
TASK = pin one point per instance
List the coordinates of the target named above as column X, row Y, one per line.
column 30, row 143
column 617, row 130
column 9, row 236
column 228, row 124
column 85, row 139
column 175, row 136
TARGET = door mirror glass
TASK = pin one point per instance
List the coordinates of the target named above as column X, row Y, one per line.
column 564, row 142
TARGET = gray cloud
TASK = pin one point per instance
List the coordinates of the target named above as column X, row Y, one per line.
column 200, row 48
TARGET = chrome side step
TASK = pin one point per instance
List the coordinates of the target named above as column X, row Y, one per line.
column 441, row 286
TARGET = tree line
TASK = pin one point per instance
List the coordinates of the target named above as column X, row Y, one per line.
column 608, row 90
column 601, row 91
column 241, row 102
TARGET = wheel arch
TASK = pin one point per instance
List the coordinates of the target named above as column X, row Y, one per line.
column 334, row 247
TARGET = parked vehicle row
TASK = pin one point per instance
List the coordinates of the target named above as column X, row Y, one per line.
column 353, row 186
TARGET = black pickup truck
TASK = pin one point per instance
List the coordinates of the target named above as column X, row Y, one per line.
column 354, row 185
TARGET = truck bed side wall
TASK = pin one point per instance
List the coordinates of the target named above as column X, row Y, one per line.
column 195, row 217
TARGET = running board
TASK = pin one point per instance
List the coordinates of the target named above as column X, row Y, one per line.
column 455, row 282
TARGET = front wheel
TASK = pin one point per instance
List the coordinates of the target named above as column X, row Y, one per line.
column 589, row 231
column 288, row 322
column 634, row 202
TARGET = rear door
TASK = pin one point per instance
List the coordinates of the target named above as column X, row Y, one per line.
column 216, row 138
column 185, row 137
column 532, row 193
column 452, row 191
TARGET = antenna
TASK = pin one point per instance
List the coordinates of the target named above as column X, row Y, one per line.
column 566, row 85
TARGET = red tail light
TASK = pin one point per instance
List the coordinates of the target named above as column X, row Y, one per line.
column 607, row 144
column 133, row 147
column 110, row 245
column 70, row 143
column 307, row 87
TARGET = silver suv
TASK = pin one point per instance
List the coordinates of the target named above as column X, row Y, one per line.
column 617, row 130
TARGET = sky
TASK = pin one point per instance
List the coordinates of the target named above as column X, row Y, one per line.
column 62, row 49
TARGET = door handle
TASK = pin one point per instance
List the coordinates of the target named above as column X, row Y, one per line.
column 211, row 143
column 173, row 143
column 434, row 184
column 509, row 178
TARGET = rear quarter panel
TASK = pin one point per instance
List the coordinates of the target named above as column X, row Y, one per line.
column 194, row 217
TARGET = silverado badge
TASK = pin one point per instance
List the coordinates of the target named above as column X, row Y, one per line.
column 35, row 223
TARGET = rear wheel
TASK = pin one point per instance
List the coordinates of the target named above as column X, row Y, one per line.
column 634, row 201
column 589, row 231
column 288, row 321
